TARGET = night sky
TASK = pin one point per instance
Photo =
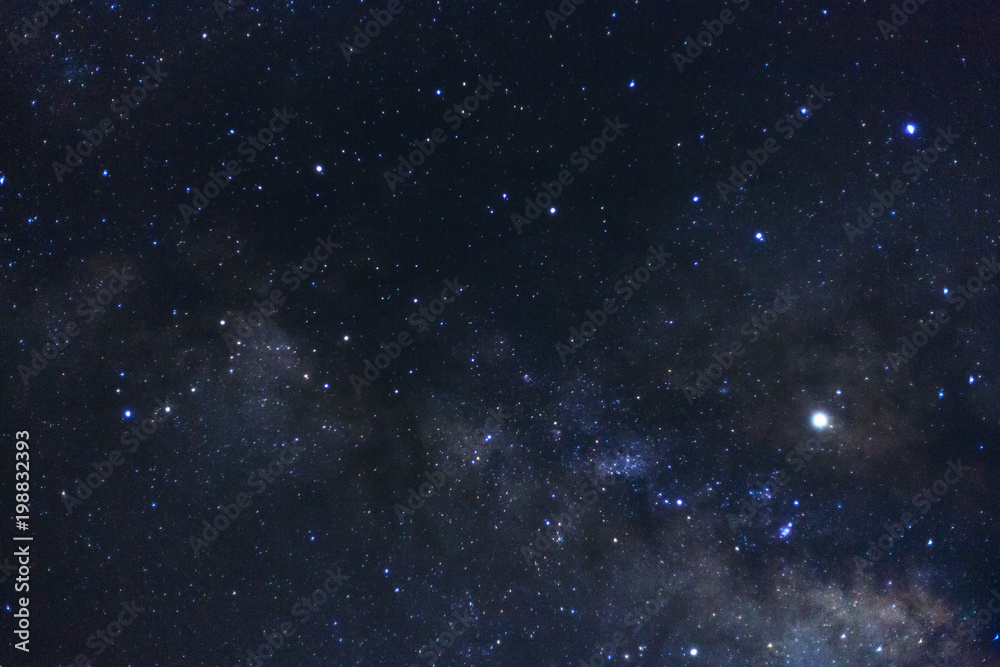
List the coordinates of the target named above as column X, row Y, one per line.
column 527, row 334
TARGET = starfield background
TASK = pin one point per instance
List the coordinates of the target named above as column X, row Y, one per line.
column 673, row 343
